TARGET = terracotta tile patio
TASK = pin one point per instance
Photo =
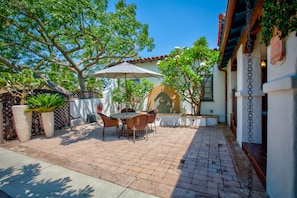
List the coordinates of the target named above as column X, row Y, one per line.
column 175, row 162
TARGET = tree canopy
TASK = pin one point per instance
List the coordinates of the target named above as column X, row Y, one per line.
column 188, row 69
column 81, row 36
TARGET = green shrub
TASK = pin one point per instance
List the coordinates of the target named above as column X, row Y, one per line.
column 45, row 102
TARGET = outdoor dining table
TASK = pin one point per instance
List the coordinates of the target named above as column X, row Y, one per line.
column 124, row 116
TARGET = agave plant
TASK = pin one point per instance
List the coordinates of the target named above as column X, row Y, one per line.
column 45, row 102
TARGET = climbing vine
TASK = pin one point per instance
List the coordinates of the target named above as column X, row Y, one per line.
column 279, row 14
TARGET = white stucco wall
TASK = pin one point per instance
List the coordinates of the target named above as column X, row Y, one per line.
column 281, row 87
column 109, row 107
column 81, row 108
column 231, row 84
column 153, row 67
column 217, row 106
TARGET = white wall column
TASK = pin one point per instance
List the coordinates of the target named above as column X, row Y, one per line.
column 281, row 87
column 231, row 84
column 242, row 96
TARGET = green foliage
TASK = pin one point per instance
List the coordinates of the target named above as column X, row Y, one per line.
column 132, row 93
column 281, row 15
column 82, row 35
column 66, row 78
column 95, row 84
column 62, row 76
column 187, row 69
column 45, row 102
column 20, row 84
column 118, row 94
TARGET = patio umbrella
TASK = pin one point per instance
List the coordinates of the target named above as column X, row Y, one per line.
column 125, row 70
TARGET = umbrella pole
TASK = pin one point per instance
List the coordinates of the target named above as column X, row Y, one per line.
column 126, row 109
column 119, row 103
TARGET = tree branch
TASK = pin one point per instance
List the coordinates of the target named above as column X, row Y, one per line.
column 49, row 83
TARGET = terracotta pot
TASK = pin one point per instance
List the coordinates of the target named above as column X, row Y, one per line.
column 22, row 122
column 48, row 123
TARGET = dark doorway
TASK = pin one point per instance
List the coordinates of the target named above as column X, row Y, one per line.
column 163, row 103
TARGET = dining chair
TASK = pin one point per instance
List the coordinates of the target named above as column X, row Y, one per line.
column 152, row 118
column 138, row 123
column 109, row 122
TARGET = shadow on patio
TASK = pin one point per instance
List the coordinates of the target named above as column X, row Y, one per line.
column 29, row 183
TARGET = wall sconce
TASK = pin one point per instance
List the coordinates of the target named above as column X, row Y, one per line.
column 263, row 63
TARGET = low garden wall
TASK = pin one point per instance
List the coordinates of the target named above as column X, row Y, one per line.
column 176, row 120
column 82, row 109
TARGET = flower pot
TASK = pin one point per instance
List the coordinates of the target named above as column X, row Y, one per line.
column 48, row 123
column 22, row 122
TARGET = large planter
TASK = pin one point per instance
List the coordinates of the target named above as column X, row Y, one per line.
column 48, row 123
column 22, row 122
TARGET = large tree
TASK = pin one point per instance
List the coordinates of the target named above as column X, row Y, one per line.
column 81, row 35
column 188, row 69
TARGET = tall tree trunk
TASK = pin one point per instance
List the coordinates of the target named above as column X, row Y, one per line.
column 198, row 108
column 81, row 81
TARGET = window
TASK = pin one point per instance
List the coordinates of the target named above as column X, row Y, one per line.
column 208, row 89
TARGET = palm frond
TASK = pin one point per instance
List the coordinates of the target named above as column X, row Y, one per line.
column 45, row 102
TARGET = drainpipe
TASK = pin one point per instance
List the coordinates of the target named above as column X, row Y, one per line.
column 226, row 95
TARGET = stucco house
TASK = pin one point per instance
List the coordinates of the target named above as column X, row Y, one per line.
column 212, row 105
column 274, row 90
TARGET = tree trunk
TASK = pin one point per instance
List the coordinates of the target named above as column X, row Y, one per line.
column 196, row 108
column 81, row 82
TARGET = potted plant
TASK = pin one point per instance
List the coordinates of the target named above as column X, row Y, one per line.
column 20, row 85
column 46, row 104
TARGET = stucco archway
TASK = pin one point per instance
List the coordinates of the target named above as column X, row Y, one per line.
column 171, row 92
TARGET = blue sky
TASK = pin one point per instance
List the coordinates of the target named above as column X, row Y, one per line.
column 179, row 22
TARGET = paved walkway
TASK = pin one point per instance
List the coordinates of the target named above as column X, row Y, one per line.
column 174, row 162
column 23, row 176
